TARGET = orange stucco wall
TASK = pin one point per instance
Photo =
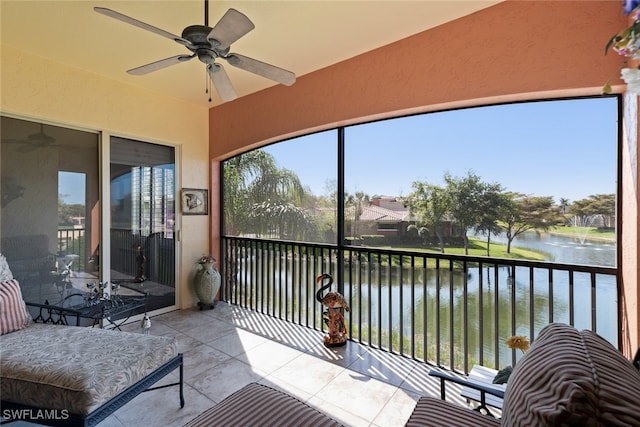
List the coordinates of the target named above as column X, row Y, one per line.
column 511, row 51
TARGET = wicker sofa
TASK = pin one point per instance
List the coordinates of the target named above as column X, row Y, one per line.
column 70, row 375
column 567, row 378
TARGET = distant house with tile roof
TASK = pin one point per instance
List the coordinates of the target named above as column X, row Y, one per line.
column 386, row 215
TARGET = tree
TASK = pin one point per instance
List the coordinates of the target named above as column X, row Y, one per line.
column 603, row 205
column 523, row 213
column 281, row 220
column 261, row 198
column 430, row 204
column 239, row 172
column 67, row 213
column 356, row 201
column 466, row 198
column 492, row 205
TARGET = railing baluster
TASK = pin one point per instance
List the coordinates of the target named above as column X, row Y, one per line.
column 370, row 299
column 572, row 320
column 437, row 314
column 551, row 316
column 496, row 316
column 532, row 299
column 452, row 346
column 412, row 311
column 465, row 316
column 390, row 294
column 512, row 284
column 379, row 300
column 424, row 310
column 480, row 313
column 594, row 314
column 400, row 306
column 359, row 300
column 277, row 278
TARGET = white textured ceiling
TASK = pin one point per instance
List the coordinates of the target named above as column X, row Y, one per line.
column 301, row 36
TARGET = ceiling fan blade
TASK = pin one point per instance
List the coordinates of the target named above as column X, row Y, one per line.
column 124, row 18
column 158, row 65
column 263, row 69
column 222, row 83
column 230, row 28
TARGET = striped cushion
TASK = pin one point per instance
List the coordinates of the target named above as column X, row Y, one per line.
column 258, row 405
column 437, row 413
column 13, row 311
column 572, row 378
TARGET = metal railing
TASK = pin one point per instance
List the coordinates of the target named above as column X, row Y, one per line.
column 157, row 248
column 449, row 310
column 71, row 241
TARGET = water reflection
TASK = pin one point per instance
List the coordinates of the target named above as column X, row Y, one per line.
column 444, row 314
column 566, row 249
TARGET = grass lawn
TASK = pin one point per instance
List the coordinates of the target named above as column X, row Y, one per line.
column 477, row 247
column 588, row 232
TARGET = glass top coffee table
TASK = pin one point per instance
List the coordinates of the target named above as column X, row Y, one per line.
column 115, row 309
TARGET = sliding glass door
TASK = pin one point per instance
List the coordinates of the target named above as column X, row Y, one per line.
column 142, row 184
column 51, row 221
column 50, row 208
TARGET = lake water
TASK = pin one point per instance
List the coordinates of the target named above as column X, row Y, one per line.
column 566, row 249
column 394, row 297
column 498, row 287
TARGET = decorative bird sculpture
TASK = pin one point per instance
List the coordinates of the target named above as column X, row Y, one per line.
column 331, row 299
column 333, row 316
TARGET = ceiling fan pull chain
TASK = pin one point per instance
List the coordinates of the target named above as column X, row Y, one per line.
column 207, row 82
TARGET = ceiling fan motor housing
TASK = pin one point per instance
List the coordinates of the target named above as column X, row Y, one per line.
column 204, row 48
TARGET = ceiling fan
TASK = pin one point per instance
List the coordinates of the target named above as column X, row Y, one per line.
column 33, row 141
column 209, row 44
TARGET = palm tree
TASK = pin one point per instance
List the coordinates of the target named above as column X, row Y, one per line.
column 257, row 195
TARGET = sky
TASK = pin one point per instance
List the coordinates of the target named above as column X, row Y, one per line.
column 565, row 149
column 71, row 187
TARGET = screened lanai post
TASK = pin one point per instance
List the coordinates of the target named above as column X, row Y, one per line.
column 340, row 208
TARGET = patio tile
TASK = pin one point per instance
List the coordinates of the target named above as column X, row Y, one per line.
column 386, row 367
column 308, row 373
column 358, row 394
column 198, row 360
column 269, row 356
column 337, row 413
column 397, row 410
column 225, row 378
column 237, row 342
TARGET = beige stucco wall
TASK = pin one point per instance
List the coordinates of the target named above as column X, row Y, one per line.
column 516, row 50
column 37, row 88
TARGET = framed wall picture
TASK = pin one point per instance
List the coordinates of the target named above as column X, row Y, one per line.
column 195, row 201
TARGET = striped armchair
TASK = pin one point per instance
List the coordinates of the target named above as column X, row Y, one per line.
column 567, row 378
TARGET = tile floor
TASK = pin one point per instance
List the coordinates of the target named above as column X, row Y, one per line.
column 229, row 347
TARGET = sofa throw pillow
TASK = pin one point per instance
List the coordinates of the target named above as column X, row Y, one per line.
column 5, row 271
column 617, row 382
column 571, row 378
column 13, row 311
